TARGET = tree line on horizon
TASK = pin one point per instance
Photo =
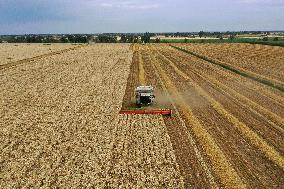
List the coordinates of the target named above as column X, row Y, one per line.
column 120, row 38
column 77, row 38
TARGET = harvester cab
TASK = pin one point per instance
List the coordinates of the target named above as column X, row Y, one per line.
column 144, row 95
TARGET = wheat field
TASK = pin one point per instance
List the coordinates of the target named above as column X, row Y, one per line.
column 61, row 127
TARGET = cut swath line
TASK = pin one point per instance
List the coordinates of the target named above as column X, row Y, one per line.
column 247, row 102
column 264, row 90
column 222, row 167
column 268, row 150
column 190, row 137
column 237, row 71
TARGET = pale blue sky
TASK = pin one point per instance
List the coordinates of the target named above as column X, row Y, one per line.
column 97, row 16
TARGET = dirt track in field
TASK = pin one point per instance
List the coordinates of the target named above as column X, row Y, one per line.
column 244, row 118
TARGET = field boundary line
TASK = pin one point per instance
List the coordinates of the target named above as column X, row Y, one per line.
column 27, row 60
column 240, row 97
column 259, row 142
column 253, row 76
column 222, row 167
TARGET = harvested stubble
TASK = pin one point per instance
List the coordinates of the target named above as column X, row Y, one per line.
column 266, row 61
column 228, row 176
column 232, row 115
column 142, row 156
column 59, row 125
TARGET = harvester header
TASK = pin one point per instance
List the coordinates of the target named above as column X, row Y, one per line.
column 151, row 112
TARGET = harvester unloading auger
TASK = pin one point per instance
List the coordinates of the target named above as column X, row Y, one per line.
column 144, row 97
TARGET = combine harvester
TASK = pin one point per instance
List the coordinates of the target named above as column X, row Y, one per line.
column 145, row 97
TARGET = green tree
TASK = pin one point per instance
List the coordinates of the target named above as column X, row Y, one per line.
column 123, row 39
column 201, row 34
column 135, row 40
column 64, row 39
column 146, row 38
column 232, row 37
column 130, row 39
column 265, row 39
column 220, row 36
column 157, row 40
column 105, row 39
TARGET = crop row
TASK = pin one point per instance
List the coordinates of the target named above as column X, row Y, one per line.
column 221, row 166
column 259, row 59
column 193, row 79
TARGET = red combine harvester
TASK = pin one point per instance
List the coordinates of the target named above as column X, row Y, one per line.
column 145, row 97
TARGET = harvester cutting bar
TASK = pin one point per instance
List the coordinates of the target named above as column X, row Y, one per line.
column 152, row 112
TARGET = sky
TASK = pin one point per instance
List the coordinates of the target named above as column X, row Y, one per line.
column 132, row 16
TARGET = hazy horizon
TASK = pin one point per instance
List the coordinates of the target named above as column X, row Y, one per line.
column 133, row 16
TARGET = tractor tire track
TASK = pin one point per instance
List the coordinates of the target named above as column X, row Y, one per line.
column 267, row 116
column 193, row 166
column 245, row 73
column 258, row 59
column 254, row 176
column 245, row 87
column 222, row 168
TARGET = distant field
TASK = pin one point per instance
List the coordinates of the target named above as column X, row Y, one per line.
column 259, row 36
column 251, row 40
column 182, row 38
